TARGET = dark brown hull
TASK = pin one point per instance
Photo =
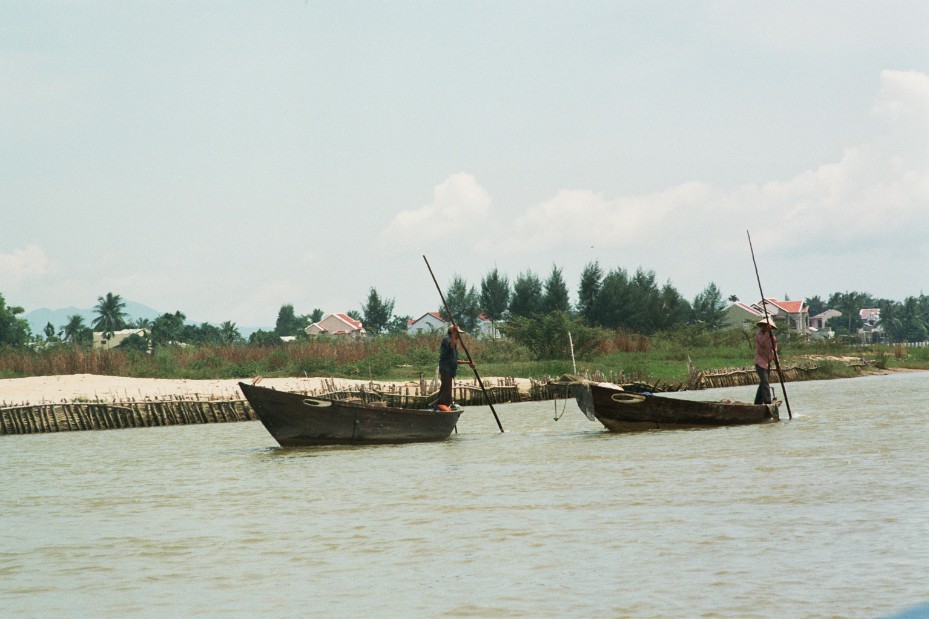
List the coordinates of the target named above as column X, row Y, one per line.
column 623, row 411
column 296, row 420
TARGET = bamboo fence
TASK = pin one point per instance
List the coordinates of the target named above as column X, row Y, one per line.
column 193, row 409
column 739, row 377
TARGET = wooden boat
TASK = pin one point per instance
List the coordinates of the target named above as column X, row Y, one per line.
column 296, row 420
column 627, row 411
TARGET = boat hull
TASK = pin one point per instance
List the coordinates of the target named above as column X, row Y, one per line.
column 296, row 420
column 623, row 411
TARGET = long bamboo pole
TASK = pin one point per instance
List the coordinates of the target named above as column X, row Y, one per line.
column 463, row 347
column 764, row 305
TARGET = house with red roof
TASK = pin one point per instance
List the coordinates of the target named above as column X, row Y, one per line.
column 341, row 325
column 488, row 328
column 430, row 322
column 872, row 315
column 870, row 323
column 790, row 316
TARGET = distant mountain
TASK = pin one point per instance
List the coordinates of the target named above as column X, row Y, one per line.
column 38, row 318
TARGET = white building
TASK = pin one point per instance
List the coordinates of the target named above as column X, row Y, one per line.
column 116, row 338
column 487, row 328
column 430, row 322
column 818, row 324
column 742, row 316
column 337, row 324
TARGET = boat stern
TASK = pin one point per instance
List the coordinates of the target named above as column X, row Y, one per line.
column 773, row 410
column 585, row 399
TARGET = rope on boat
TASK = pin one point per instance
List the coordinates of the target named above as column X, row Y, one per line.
column 563, row 408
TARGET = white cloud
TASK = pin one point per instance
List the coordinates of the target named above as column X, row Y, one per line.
column 862, row 218
column 585, row 218
column 22, row 265
column 458, row 203
column 876, row 192
column 904, row 98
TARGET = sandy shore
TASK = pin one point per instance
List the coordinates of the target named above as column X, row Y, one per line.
column 39, row 389
column 44, row 389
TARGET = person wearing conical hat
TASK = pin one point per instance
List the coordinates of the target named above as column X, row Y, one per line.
column 765, row 351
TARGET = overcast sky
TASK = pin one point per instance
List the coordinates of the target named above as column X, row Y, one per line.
column 225, row 158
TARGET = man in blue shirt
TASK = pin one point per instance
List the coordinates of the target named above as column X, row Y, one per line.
column 448, row 364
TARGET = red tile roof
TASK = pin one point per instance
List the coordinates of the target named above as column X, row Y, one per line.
column 435, row 315
column 791, row 307
column 349, row 320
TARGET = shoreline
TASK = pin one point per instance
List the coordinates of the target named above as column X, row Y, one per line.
column 74, row 387
column 69, row 388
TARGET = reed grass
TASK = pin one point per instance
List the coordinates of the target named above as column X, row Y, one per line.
column 665, row 357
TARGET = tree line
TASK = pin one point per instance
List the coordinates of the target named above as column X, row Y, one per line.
column 906, row 321
column 613, row 299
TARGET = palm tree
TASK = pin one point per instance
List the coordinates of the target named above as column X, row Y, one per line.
column 229, row 333
column 912, row 326
column 110, row 314
column 74, row 331
column 850, row 305
column 890, row 321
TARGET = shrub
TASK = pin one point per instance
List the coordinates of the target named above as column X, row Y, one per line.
column 547, row 336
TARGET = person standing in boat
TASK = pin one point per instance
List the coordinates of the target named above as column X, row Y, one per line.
column 448, row 364
column 765, row 351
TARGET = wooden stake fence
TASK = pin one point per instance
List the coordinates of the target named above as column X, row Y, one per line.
column 184, row 410
column 739, row 377
column 194, row 409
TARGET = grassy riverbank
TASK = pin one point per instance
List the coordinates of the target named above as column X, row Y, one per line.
column 664, row 358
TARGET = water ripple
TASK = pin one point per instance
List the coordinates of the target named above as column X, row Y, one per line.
column 817, row 517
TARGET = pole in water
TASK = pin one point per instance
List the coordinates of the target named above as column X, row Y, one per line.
column 764, row 306
column 571, row 344
column 463, row 347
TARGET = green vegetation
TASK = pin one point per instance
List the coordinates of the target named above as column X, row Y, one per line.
column 110, row 314
column 665, row 356
column 627, row 326
column 14, row 331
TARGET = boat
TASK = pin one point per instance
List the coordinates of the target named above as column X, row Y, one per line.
column 296, row 420
column 627, row 411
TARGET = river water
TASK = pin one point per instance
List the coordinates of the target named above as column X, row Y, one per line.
column 823, row 516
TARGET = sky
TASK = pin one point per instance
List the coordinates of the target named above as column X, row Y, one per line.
column 225, row 158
